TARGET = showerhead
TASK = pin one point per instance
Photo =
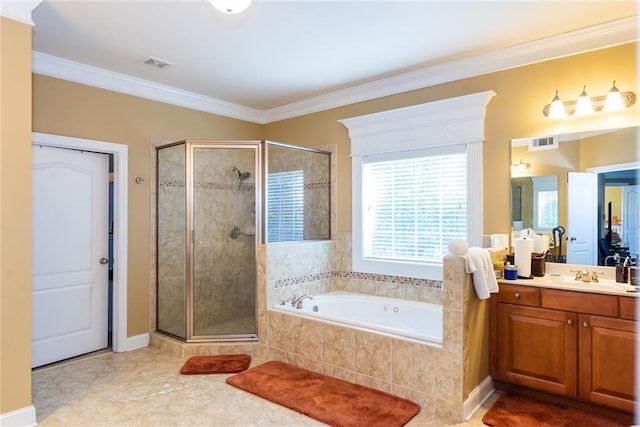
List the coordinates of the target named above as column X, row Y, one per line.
column 242, row 176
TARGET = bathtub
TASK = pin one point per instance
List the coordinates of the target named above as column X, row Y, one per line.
column 409, row 320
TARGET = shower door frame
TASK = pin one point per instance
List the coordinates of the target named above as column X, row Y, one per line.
column 190, row 238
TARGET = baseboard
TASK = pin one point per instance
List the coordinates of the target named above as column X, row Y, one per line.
column 477, row 397
column 25, row 417
column 135, row 342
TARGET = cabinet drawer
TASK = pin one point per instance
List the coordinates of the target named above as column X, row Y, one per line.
column 628, row 308
column 521, row 295
column 583, row 302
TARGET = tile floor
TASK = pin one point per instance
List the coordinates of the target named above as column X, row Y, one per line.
column 144, row 388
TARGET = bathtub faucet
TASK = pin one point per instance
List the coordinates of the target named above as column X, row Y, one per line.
column 296, row 302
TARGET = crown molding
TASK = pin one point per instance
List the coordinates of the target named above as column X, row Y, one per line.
column 19, row 10
column 54, row 66
column 592, row 38
column 566, row 44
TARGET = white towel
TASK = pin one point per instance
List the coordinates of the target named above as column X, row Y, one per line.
column 484, row 279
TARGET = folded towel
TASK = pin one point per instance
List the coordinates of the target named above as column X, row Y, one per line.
column 484, row 279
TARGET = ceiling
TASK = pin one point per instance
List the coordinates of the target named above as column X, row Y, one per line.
column 281, row 55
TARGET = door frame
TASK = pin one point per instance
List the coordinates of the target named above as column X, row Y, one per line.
column 120, row 223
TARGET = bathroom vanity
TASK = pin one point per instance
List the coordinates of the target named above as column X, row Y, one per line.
column 566, row 338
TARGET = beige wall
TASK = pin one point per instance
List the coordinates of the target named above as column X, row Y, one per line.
column 15, row 215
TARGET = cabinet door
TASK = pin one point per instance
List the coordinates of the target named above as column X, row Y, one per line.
column 537, row 348
column 607, row 361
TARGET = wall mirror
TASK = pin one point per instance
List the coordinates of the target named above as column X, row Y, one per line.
column 582, row 190
column 298, row 194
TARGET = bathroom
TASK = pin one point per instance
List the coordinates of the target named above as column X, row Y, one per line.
column 514, row 112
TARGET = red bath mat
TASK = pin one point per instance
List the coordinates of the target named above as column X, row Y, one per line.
column 333, row 401
column 221, row 364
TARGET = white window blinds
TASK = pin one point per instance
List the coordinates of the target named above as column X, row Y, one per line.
column 413, row 207
column 285, row 210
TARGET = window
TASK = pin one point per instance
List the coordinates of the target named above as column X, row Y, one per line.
column 413, row 204
column 545, row 202
column 285, row 210
column 417, row 184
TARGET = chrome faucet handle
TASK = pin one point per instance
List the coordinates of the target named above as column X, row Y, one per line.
column 293, row 300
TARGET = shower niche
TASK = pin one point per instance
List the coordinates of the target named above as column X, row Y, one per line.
column 216, row 202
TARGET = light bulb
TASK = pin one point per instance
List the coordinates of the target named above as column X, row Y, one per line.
column 614, row 100
column 230, row 6
column 557, row 110
column 583, row 104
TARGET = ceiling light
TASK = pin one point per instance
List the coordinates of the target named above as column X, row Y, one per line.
column 230, row 6
column 585, row 105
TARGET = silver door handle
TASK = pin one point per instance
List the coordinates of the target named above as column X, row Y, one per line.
column 104, row 261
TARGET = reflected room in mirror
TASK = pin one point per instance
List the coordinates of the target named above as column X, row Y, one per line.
column 582, row 191
column 298, row 194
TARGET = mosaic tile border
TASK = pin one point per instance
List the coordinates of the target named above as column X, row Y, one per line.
column 208, row 185
column 292, row 281
column 244, row 186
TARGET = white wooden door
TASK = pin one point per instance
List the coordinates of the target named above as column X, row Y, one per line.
column 582, row 214
column 631, row 217
column 70, row 247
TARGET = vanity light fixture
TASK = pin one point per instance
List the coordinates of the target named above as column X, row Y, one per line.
column 521, row 166
column 231, row 7
column 585, row 105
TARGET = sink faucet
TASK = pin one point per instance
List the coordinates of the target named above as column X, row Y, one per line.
column 584, row 276
column 296, row 302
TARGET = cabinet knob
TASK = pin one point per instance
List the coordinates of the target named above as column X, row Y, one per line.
column 569, row 322
column 585, row 324
column 517, row 295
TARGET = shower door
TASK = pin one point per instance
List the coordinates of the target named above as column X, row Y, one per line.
column 222, row 219
column 207, row 194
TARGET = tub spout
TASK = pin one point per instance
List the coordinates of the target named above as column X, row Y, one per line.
column 296, row 302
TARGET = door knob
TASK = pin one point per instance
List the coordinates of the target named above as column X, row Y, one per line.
column 573, row 239
column 104, row 261
column 569, row 322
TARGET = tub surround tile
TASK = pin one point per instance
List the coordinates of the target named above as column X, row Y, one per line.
column 373, row 382
column 373, row 356
column 338, row 347
column 307, row 338
column 338, row 372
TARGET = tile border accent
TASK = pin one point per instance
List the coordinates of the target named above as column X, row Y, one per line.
column 291, row 281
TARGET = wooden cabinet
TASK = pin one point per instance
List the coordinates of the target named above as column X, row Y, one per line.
column 576, row 345
column 540, row 348
column 606, row 359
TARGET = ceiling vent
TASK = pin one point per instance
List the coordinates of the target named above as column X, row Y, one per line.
column 544, row 143
column 155, row 62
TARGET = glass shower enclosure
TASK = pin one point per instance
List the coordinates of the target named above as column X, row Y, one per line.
column 207, row 223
